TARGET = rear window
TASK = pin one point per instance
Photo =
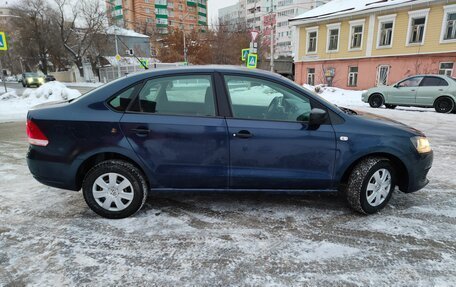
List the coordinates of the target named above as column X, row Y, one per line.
column 122, row 101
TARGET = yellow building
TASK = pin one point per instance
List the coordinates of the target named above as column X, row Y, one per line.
column 363, row 43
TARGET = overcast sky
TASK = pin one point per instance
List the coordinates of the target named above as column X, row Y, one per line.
column 214, row 5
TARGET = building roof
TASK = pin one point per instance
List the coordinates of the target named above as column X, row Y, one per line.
column 111, row 30
column 342, row 8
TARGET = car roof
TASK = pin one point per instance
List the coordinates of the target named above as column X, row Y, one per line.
column 205, row 68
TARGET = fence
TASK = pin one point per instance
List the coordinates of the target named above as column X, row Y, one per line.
column 108, row 74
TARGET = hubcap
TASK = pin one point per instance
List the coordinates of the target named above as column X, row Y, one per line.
column 378, row 187
column 112, row 191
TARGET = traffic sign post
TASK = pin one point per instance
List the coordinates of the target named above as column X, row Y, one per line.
column 245, row 53
column 252, row 60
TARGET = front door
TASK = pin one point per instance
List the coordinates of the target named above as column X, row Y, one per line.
column 405, row 92
column 271, row 146
column 173, row 128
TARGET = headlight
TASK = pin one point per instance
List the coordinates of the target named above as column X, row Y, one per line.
column 41, row 80
column 421, row 144
column 29, row 80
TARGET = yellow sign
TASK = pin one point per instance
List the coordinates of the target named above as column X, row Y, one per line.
column 3, row 45
column 245, row 53
column 118, row 57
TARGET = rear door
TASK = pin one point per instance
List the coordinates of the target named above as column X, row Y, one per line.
column 405, row 91
column 271, row 145
column 430, row 88
column 173, row 127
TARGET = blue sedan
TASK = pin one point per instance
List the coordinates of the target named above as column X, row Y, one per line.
column 218, row 128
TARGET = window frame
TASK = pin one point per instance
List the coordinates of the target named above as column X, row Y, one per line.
column 440, row 68
column 138, row 87
column 423, row 13
column 386, row 19
column 448, row 9
column 308, row 31
column 409, row 78
column 353, row 24
column 329, row 28
column 355, row 74
column 313, row 103
column 143, row 82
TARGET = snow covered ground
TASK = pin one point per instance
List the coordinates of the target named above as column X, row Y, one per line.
column 50, row 237
column 14, row 106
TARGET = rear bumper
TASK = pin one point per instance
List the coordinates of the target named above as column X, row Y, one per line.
column 418, row 171
column 55, row 174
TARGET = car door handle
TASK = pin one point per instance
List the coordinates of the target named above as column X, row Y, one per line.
column 141, row 131
column 413, row 90
column 441, row 90
column 243, row 134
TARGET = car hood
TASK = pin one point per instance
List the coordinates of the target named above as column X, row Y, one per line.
column 389, row 122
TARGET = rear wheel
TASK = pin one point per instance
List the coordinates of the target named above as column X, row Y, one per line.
column 376, row 101
column 392, row 107
column 370, row 185
column 115, row 189
column 444, row 105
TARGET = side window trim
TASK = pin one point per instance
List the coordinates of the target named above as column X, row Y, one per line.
column 144, row 82
column 446, row 84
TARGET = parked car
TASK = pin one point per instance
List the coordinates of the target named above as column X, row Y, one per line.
column 428, row 91
column 218, row 128
column 32, row 79
column 49, row 78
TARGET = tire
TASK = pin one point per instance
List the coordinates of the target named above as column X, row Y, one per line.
column 362, row 183
column 376, row 101
column 392, row 107
column 444, row 105
column 23, row 85
column 100, row 187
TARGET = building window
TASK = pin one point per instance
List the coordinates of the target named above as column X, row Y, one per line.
column 417, row 26
column 356, row 34
column 311, row 76
column 352, row 76
column 446, row 69
column 333, row 37
column 312, row 37
column 385, row 31
column 449, row 24
column 382, row 75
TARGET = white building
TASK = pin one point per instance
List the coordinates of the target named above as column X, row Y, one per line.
column 253, row 12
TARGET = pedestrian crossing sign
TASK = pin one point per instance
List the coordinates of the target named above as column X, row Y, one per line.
column 252, row 60
column 245, row 53
column 3, row 45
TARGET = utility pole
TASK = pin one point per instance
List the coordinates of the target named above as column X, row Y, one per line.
column 272, row 35
column 117, row 51
column 185, row 41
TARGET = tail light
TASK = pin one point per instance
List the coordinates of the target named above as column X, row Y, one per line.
column 35, row 135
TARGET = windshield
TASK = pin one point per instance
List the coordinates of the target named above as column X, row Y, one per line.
column 31, row 75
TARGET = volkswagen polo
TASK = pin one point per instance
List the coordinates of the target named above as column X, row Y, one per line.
column 218, row 128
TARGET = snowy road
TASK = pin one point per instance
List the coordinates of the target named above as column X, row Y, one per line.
column 50, row 237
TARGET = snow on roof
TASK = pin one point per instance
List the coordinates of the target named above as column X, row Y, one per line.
column 342, row 7
column 111, row 30
column 128, row 61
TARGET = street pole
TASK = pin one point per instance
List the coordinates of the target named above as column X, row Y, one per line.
column 185, row 46
column 22, row 67
column 117, row 52
column 3, row 78
column 272, row 36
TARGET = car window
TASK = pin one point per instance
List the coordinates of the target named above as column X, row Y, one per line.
column 121, row 101
column 433, row 82
column 252, row 98
column 178, row 95
column 410, row 82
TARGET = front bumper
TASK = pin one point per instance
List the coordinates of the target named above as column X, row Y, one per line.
column 418, row 171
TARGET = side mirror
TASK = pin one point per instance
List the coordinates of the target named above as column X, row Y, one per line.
column 317, row 118
column 396, row 86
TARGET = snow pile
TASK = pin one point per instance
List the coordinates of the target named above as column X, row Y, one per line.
column 14, row 107
column 337, row 96
column 52, row 91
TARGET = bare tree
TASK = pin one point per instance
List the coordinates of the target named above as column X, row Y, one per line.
column 79, row 31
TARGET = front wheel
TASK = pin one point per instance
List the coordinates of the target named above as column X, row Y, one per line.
column 444, row 105
column 370, row 185
column 376, row 101
column 115, row 189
